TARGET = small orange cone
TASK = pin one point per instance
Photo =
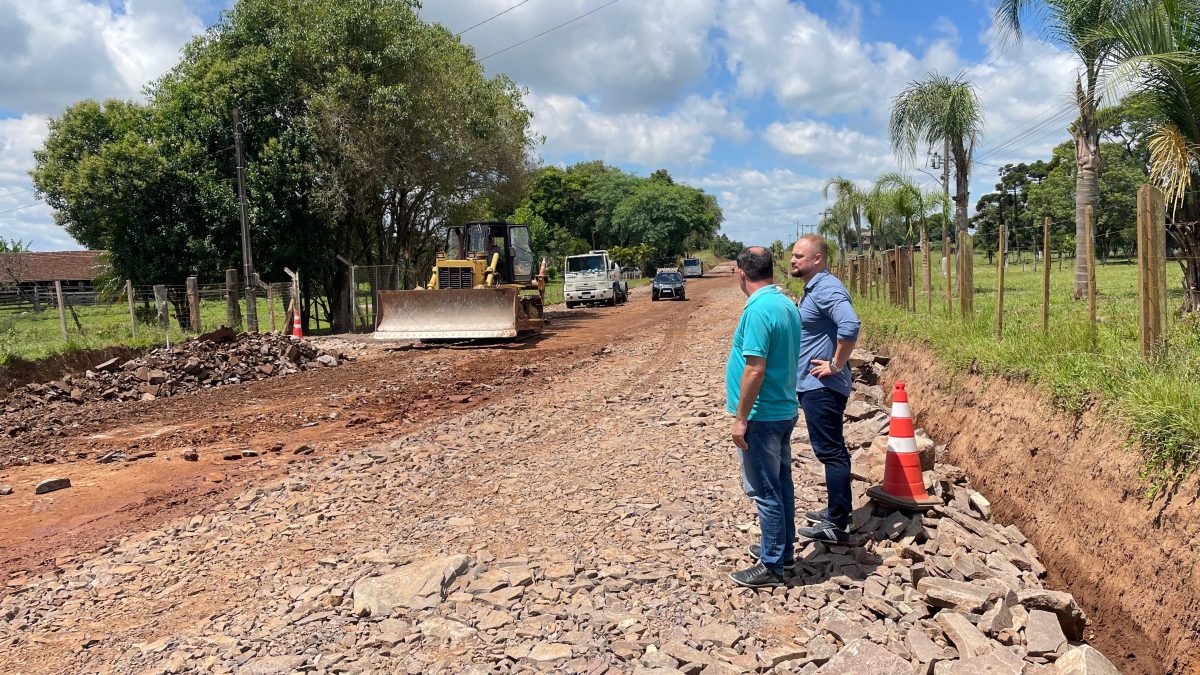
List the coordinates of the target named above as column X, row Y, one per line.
column 296, row 331
column 903, row 487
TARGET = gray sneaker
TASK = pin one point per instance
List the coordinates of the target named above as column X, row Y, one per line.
column 826, row 533
column 818, row 517
column 756, row 577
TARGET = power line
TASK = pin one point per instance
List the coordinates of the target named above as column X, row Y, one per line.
column 14, row 192
column 23, row 207
column 494, row 16
column 550, row 30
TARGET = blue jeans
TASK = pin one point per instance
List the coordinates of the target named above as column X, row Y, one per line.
column 823, row 409
column 767, row 479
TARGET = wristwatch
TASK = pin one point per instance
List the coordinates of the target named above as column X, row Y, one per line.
column 834, row 369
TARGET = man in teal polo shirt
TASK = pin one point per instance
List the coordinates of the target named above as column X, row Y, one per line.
column 760, row 393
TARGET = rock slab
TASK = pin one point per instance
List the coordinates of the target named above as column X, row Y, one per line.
column 863, row 657
column 421, row 585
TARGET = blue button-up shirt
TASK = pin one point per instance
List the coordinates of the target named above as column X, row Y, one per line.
column 826, row 317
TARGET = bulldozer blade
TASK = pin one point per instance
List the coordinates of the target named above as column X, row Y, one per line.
column 448, row 314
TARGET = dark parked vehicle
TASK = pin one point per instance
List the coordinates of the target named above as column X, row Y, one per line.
column 668, row 285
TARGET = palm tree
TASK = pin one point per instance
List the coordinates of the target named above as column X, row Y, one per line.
column 1077, row 25
column 934, row 110
column 911, row 201
column 835, row 224
column 1156, row 49
column 849, row 200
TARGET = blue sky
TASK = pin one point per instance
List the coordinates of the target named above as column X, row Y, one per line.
column 757, row 101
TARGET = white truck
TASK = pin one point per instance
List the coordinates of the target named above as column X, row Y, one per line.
column 693, row 267
column 593, row 277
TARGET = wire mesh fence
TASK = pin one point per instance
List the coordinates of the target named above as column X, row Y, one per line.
column 38, row 319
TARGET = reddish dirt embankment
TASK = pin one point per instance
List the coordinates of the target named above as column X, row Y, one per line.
column 1072, row 487
column 19, row 372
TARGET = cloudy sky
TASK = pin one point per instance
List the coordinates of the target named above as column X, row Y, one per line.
column 756, row 101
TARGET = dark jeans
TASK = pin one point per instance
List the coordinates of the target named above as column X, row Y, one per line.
column 823, row 409
column 767, row 479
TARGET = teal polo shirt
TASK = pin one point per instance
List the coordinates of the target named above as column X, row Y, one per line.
column 770, row 328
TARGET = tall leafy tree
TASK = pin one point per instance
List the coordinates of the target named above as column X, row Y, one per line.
column 1075, row 24
column 366, row 130
column 934, row 110
column 1156, row 48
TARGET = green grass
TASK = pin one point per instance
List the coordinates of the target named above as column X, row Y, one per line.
column 29, row 335
column 1158, row 400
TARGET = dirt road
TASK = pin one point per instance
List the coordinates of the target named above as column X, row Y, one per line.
column 383, row 394
column 582, row 484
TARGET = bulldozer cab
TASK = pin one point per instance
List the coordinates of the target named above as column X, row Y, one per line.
column 483, row 240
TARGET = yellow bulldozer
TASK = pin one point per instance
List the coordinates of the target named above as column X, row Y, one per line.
column 483, row 286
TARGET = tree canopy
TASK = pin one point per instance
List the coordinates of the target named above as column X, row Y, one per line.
column 365, row 131
column 592, row 205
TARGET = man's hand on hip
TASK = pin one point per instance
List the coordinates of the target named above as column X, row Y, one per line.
column 739, row 433
column 822, row 368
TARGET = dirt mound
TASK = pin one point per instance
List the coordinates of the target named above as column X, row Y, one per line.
column 1072, row 486
column 211, row 360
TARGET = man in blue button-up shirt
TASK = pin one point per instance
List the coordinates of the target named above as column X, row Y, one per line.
column 829, row 333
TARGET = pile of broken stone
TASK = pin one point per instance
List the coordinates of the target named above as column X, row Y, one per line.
column 947, row 592
column 210, row 360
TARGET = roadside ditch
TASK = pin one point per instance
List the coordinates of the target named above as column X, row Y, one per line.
column 1072, row 485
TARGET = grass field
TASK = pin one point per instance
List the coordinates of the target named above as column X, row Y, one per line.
column 30, row 335
column 1160, row 401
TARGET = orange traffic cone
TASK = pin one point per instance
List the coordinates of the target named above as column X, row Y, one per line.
column 296, row 331
column 903, row 487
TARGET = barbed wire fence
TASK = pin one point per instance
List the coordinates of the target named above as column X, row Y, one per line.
column 47, row 313
column 937, row 273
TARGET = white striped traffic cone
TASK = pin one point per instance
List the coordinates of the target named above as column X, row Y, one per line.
column 903, row 487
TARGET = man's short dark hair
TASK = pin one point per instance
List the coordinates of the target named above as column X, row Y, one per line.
column 756, row 262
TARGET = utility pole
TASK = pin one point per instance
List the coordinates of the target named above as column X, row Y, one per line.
column 946, row 184
column 247, row 255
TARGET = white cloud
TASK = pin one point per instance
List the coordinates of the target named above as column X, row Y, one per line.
column 684, row 136
column 628, row 56
column 782, row 49
column 56, row 52
column 60, row 51
column 762, row 206
column 839, row 151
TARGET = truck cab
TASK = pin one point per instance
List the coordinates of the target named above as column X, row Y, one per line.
column 693, row 267
column 593, row 277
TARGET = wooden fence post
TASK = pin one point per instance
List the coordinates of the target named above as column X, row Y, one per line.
column 1046, row 277
column 949, row 274
column 62, row 310
column 233, row 313
column 1000, row 283
column 132, row 315
column 353, row 302
column 966, row 276
column 1089, row 235
column 271, row 304
column 160, row 303
column 1151, row 273
column 926, row 272
column 193, row 299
